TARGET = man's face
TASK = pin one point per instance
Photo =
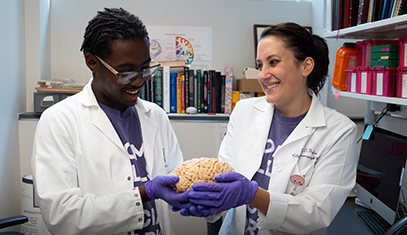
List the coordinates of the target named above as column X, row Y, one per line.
column 126, row 56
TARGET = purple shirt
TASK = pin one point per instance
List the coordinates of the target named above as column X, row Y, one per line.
column 280, row 128
column 127, row 126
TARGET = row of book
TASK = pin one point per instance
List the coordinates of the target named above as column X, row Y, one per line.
column 349, row 13
column 176, row 89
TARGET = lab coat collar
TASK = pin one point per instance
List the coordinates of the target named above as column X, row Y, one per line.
column 102, row 122
column 315, row 118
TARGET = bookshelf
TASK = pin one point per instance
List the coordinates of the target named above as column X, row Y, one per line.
column 390, row 28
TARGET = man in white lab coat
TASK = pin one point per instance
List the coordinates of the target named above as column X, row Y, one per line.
column 100, row 157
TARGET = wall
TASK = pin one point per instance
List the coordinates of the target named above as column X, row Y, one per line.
column 231, row 21
column 12, row 96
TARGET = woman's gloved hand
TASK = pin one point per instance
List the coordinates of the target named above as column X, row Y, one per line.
column 159, row 188
column 231, row 190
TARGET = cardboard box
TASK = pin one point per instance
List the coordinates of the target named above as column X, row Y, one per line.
column 248, row 85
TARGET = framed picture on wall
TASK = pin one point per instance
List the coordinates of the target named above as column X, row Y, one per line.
column 259, row 28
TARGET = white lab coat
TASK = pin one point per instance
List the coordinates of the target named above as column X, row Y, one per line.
column 82, row 173
column 323, row 134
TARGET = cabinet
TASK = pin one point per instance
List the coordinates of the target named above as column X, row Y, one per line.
column 391, row 28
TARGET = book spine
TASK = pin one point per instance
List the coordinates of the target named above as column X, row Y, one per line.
column 209, row 90
column 199, row 104
column 235, row 98
column 148, row 90
column 179, row 95
column 205, row 91
column 166, row 89
column 158, row 87
column 196, row 91
column 186, row 87
column 192, row 93
column 228, row 89
column 183, row 93
column 218, row 91
column 173, row 92
column 214, row 82
column 222, row 94
column 142, row 93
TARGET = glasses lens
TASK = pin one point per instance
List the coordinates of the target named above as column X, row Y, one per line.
column 125, row 78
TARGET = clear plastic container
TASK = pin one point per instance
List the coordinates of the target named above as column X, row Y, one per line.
column 345, row 58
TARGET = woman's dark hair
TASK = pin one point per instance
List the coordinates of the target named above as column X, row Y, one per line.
column 109, row 25
column 303, row 45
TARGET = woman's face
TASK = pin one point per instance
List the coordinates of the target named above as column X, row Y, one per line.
column 126, row 56
column 281, row 75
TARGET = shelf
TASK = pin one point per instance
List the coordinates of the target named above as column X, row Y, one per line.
column 171, row 116
column 390, row 28
column 381, row 99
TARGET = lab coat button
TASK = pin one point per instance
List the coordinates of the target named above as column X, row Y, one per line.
column 136, row 194
column 129, row 233
column 128, row 178
column 278, row 168
column 140, row 219
column 137, row 203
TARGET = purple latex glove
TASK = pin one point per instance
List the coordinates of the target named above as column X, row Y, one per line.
column 159, row 188
column 231, row 190
column 197, row 211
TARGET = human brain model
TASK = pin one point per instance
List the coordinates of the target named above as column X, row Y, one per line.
column 199, row 170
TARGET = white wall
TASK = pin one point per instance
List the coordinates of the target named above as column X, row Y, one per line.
column 231, row 20
column 12, row 101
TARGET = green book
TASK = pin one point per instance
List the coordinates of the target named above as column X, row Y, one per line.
column 158, row 87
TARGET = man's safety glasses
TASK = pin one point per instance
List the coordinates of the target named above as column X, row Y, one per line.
column 124, row 78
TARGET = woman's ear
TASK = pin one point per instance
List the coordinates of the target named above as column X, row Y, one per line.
column 308, row 64
column 91, row 61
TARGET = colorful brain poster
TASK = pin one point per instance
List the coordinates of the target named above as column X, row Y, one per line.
column 192, row 44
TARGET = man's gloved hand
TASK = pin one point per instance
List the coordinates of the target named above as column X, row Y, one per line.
column 231, row 190
column 159, row 188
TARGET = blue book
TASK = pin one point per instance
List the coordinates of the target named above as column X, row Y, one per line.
column 386, row 9
column 173, row 92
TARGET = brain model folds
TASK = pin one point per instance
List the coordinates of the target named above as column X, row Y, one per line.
column 199, row 170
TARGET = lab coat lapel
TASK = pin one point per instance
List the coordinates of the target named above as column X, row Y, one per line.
column 100, row 119
column 149, row 131
column 262, row 122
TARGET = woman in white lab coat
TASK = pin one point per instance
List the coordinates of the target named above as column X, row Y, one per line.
column 295, row 158
column 100, row 157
